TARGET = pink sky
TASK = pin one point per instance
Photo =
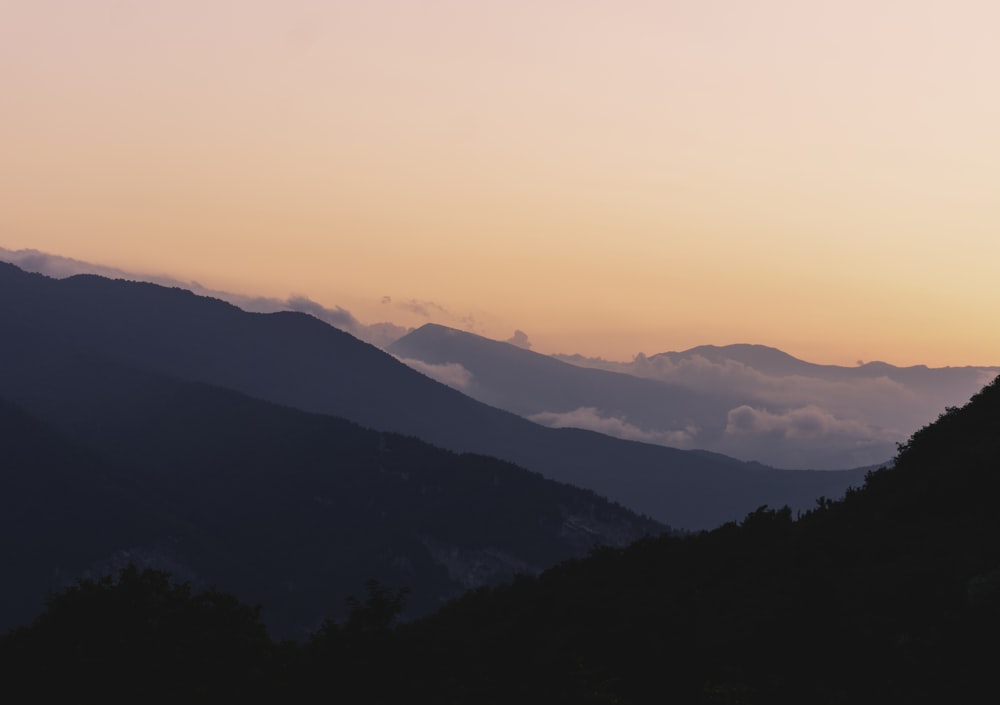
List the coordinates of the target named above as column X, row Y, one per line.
column 610, row 177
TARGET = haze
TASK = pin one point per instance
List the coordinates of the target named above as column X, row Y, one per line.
column 608, row 177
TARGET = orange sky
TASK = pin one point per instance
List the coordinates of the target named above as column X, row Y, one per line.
column 610, row 177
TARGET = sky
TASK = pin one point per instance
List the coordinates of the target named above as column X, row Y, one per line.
column 608, row 177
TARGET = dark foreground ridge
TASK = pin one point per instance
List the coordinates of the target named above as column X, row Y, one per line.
column 891, row 595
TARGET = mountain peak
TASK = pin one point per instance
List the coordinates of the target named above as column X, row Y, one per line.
column 759, row 357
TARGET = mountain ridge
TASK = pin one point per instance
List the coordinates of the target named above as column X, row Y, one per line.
column 751, row 402
column 286, row 508
column 296, row 360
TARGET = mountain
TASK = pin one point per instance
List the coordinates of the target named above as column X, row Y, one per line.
column 296, row 360
column 528, row 383
column 59, row 501
column 890, row 595
column 106, row 464
column 747, row 401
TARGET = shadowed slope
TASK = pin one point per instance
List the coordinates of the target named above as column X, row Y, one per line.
column 297, row 360
column 890, row 595
column 288, row 509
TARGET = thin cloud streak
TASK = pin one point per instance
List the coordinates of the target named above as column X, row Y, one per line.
column 379, row 334
column 591, row 419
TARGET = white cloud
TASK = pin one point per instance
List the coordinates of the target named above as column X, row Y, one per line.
column 590, row 419
column 450, row 373
column 808, row 436
column 889, row 400
column 520, row 339
column 808, row 422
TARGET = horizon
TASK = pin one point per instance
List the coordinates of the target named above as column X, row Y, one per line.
column 59, row 267
column 608, row 179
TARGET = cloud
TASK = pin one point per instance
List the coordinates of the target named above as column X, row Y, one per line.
column 434, row 312
column 59, row 267
column 891, row 399
column 798, row 437
column 590, row 419
column 379, row 334
column 520, row 339
column 383, row 334
column 807, row 416
column 338, row 317
column 427, row 309
column 450, row 373
column 808, row 422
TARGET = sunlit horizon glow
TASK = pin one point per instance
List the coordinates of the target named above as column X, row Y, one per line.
column 610, row 178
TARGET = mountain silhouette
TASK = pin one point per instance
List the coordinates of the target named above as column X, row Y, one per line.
column 707, row 404
column 889, row 595
column 107, row 464
column 526, row 382
column 296, row 360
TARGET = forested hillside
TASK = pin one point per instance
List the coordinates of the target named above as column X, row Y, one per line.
column 891, row 595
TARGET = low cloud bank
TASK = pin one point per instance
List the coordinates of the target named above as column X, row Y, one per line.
column 809, row 422
column 809, row 436
column 590, row 418
column 803, row 415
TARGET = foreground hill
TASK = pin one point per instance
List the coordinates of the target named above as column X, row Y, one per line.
column 298, row 361
column 891, row 595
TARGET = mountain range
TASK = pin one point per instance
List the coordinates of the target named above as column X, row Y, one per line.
column 106, row 464
column 888, row 595
column 296, row 360
column 281, row 458
column 746, row 401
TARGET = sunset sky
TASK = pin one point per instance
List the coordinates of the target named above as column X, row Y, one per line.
column 609, row 177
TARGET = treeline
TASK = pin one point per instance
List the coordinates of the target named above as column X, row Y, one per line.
column 889, row 595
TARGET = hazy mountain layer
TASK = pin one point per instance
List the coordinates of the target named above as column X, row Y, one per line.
column 299, row 361
column 746, row 401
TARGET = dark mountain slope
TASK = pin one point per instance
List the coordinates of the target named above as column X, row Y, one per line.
column 891, row 595
column 296, row 360
column 61, row 504
column 287, row 509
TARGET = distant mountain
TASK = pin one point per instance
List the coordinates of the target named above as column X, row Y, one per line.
column 774, row 362
column 105, row 464
column 528, row 383
column 746, row 401
column 296, row 360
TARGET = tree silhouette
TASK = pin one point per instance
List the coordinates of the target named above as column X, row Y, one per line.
column 139, row 629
